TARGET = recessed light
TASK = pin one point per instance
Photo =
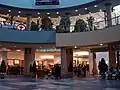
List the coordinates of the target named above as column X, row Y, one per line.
column 101, row 44
column 18, row 15
column 75, row 47
column 57, row 12
column 76, row 10
column 19, row 12
column 38, row 13
column 48, row 13
column 9, row 10
column 86, row 8
column 95, row 5
column 18, row 50
column 100, row 10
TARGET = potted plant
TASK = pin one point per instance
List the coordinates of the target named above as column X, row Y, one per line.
column 2, row 69
column 80, row 26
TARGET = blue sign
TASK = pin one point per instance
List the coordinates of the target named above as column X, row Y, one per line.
column 47, row 2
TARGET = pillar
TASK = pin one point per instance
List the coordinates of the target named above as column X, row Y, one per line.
column 108, row 14
column 29, row 58
column 4, row 55
column 66, row 62
column 93, row 63
column 112, row 56
column 29, row 20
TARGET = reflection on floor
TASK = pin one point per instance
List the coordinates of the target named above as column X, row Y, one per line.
column 64, row 84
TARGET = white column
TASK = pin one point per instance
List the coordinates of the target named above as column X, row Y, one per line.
column 29, row 20
column 29, row 58
column 90, row 62
column 108, row 14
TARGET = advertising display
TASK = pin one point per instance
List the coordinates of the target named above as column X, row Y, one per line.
column 46, row 2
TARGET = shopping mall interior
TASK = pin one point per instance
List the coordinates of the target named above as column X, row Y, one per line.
column 58, row 32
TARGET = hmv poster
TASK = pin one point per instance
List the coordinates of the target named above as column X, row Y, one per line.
column 46, row 2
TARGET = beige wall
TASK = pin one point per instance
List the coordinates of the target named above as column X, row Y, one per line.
column 88, row 38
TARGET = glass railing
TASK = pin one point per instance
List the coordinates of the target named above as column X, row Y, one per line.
column 72, row 28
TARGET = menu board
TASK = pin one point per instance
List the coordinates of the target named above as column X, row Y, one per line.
column 46, row 2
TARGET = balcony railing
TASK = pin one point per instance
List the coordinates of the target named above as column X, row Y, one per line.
column 63, row 29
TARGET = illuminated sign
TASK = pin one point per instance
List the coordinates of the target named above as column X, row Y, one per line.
column 46, row 2
column 48, row 50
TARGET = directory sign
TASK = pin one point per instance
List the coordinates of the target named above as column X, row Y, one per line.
column 46, row 2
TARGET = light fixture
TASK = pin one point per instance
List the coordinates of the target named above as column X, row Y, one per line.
column 79, row 14
column 18, row 50
column 38, row 17
column 81, row 53
column 75, row 46
column 18, row 16
column 85, row 8
column 19, row 11
column 49, row 17
column 101, row 44
column 59, row 17
column 100, row 10
column 48, row 13
column 57, row 12
column 95, row 6
column 47, row 57
column 9, row 10
column 76, row 10
column 38, row 13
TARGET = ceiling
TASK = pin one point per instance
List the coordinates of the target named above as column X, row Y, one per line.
column 92, row 7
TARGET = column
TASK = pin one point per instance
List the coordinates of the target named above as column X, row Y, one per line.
column 112, row 56
column 93, row 63
column 66, row 62
column 29, row 20
column 4, row 55
column 108, row 14
column 29, row 58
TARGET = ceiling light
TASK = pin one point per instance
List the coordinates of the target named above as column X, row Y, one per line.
column 79, row 14
column 49, row 17
column 57, row 12
column 9, row 10
column 76, row 10
column 47, row 57
column 38, row 13
column 101, row 44
column 18, row 15
column 100, row 10
column 18, row 50
column 85, row 8
column 48, row 13
column 75, row 47
column 19, row 12
column 95, row 5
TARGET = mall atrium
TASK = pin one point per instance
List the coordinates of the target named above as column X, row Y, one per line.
column 53, row 32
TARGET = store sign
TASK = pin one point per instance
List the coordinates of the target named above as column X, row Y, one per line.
column 46, row 2
column 48, row 50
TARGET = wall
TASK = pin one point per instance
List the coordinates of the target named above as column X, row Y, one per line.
column 106, row 35
column 31, row 4
column 40, row 37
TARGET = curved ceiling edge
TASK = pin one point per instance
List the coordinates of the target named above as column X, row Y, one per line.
column 65, row 8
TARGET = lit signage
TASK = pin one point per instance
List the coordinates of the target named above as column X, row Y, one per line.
column 48, row 50
column 46, row 2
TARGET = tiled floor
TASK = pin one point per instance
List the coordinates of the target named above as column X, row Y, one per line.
column 21, row 83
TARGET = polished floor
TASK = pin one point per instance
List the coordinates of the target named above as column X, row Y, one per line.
column 20, row 83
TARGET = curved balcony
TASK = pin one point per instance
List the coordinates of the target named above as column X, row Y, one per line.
column 32, row 37
column 101, row 34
